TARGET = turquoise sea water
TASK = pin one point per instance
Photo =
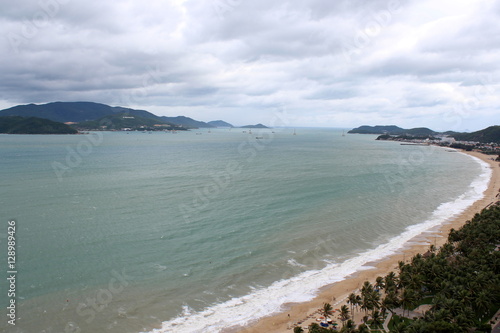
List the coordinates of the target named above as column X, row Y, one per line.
column 189, row 232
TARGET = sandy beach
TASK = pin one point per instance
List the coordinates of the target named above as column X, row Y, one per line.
column 336, row 294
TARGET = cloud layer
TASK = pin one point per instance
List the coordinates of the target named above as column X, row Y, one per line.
column 327, row 63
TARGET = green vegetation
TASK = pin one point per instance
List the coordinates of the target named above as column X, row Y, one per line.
column 79, row 112
column 219, row 123
column 460, row 282
column 33, row 125
column 487, row 135
column 186, row 122
column 393, row 130
column 405, row 137
column 255, row 126
column 60, row 111
column 126, row 121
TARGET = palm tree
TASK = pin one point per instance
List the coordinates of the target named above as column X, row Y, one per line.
column 314, row 328
column 379, row 283
column 367, row 296
column 390, row 301
column 407, row 300
column 464, row 320
column 464, row 296
column 358, row 301
column 363, row 329
column 367, row 288
column 353, row 300
column 298, row 329
column 344, row 314
column 390, row 282
column 482, row 303
column 327, row 310
column 349, row 327
column 375, row 300
column 377, row 319
column 366, row 304
column 399, row 327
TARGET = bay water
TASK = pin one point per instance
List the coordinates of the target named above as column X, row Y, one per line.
column 201, row 230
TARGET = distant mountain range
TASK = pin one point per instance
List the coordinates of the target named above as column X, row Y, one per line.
column 487, row 135
column 79, row 112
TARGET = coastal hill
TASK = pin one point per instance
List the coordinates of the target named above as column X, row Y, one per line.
column 255, row 126
column 77, row 112
column 392, row 130
column 487, row 135
column 186, row 122
column 127, row 121
column 64, row 111
column 33, row 125
column 219, row 123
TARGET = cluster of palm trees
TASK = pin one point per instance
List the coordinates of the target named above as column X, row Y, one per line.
column 461, row 282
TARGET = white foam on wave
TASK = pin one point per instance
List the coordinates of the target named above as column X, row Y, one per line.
column 293, row 262
column 263, row 302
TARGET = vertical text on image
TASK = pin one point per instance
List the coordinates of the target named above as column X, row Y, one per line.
column 11, row 271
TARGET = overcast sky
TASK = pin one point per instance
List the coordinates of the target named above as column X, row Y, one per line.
column 335, row 63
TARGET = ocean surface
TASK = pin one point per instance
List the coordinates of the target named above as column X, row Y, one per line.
column 204, row 230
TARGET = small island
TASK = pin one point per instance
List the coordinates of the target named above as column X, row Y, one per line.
column 255, row 126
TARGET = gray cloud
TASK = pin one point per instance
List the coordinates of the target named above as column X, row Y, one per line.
column 330, row 63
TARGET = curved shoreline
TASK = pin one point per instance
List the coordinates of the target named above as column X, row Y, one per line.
column 336, row 293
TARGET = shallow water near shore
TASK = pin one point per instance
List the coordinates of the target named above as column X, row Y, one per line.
column 197, row 233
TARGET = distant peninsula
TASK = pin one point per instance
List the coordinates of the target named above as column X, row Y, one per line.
column 392, row 132
column 33, row 125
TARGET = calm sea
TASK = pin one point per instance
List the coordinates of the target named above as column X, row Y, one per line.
column 199, row 231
